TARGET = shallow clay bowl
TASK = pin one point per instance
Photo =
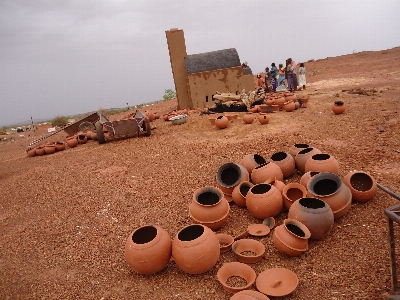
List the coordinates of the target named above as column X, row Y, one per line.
column 256, row 248
column 225, row 242
column 250, row 293
column 258, row 229
column 277, row 282
column 236, row 269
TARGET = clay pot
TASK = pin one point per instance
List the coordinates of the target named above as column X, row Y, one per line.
column 49, row 148
column 254, row 295
column 157, row 115
column 296, row 148
column 280, row 101
column 250, row 161
column 149, row 115
column 290, row 97
column 291, row 237
column 306, row 177
column 322, row 162
column 239, row 193
column 302, row 157
column 263, row 108
column 263, row 118
column 270, row 101
column 94, row 136
column 293, row 192
column 338, row 107
column 209, row 207
column 195, row 249
column 262, row 172
column 315, row 214
column 221, row 122
column 165, row 117
column 276, row 183
column 225, row 242
column 236, row 269
column 72, row 141
column 40, row 150
column 244, row 246
column 289, row 106
column 89, row 134
column 248, row 118
column 264, row 200
column 304, row 101
column 274, row 107
column 329, row 188
column 362, row 185
column 82, row 139
column 60, row 146
column 285, row 161
column 148, row 249
column 31, row 152
column 253, row 109
column 230, row 175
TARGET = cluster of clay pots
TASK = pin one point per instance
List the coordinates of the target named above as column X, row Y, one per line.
column 223, row 121
column 286, row 101
column 174, row 113
column 152, row 115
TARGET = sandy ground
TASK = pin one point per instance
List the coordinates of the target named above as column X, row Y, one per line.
column 65, row 217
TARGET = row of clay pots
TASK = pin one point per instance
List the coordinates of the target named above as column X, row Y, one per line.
column 174, row 113
column 249, row 117
column 152, row 115
column 49, row 148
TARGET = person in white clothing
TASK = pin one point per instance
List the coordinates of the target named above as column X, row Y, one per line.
column 302, row 76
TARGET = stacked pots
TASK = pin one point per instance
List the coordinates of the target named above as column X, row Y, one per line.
column 264, row 200
column 291, row 237
column 230, row 175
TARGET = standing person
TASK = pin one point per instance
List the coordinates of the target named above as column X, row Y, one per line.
column 302, row 76
column 281, row 73
column 289, row 74
column 274, row 76
column 268, row 82
column 295, row 81
column 260, row 81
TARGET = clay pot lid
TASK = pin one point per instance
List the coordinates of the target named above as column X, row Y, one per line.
column 225, row 242
column 270, row 222
column 253, row 294
column 258, row 229
column 236, row 269
column 277, row 282
column 248, row 250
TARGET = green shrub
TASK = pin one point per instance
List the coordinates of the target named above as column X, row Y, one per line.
column 169, row 94
column 59, row 121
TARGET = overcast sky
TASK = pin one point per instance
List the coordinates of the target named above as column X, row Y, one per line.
column 65, row 57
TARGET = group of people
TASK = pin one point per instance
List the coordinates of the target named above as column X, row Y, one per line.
column 283, row 78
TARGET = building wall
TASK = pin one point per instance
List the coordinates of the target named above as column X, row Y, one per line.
column 204, row 85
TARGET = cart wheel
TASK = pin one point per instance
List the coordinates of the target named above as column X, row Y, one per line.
column 146, row 127
column 100, row 133
column 86, row 126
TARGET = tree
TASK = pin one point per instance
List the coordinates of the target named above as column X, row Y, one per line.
column 169, row 94
column 59, row 121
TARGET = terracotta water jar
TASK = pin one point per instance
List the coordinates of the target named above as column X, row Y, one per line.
column 230, row 175
column 362, row 185
column 262, row 172
column 60, row 146
column 221, row 122
column 293, row 192
column 148, row 249
column 285, row 161
column 240, row 192
column 82, row 139
column 315, row 214
column 263, row 118
column 236, row 269
column 330, row 188
column 50, row 148
column 40, row 150
column 296, row 148
column 250, row 161
column 302, row 156
column 304, row 101
column 72, row 141
column 248, row 118
column 31, row 152
column 195, row 249
column 291, row 237
column 338, row 107
column 264, row 200
column 322, row 162
column 289, row 106
column 209, row 207
column 306, row 177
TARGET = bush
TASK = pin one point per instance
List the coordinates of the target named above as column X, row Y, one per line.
column 169, row 94
column 59, row 121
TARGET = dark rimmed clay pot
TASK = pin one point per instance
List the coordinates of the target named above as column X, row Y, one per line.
column 338, row 107
column 322, row 162
column 72, row 141
column 292, row 192
column 230, row 175
column 236, row 269
column 244, row 246
column 302, row 156
column 285, row 161
column 263, row 201
column 250, row 161
column 240, row 192
column 362, row 185
column 82, row 139
column 296, row 148
column 265, row 171
column 221, row 122
column 60, row 146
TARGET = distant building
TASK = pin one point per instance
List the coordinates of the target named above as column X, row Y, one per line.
column 199, row 77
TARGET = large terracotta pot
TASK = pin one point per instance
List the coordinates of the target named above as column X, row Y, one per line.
column 60, row 146
column 263, row 118
column 289, row 106
column 72, row 141
column 315, row 214
column 264, row 200
column 284, row 161
column 329, row 188
column 291, row 237
column 221, row 122
column 148, row 249
column 338, row 107
column 50, row 148
column 306, row 177
column 31, row 152
column 262, row 172
column 362, row 185
column 240, row 192
column 302, row 156
column 293, row 192
column 230, row 175
column 296, row 148
column 248, row 118
column 195, row 249
column 209, row 207
column 250, row 161
column 322, row 162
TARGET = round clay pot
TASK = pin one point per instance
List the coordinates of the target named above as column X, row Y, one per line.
column 250, row 161
column 221, row 122
column 264, row 200
column 262, row 172
column 329, row 188
column 148, row 249
column 149, row 115
column 315, row 214
column 195, row 249
column 269, row 101
column 240, row 192
column 82, row 139
column 290, row 97
column 40, row 150
column 94, row 136
column 306, row 177
column 254, row 295
column 289, row 106
column 263, row 118
column 242, row 247
column 296, row 148
column 293, row 192
column 31, row 152
column 225, row 242
column 285, row 161
column 302, row 157
column 362, row 185
column 253, row 109
column 276, row 183
column 72, row 141
column 50, row 148
column 322, row 162
column 304, row 101
column 209, row 207
column 291, row 237
column 60, row 146
column 165, row 117
column 248, row 118
column 236, row 269
column 280, row 101
column 89, row 134
column 230, row 175
column 338, row 107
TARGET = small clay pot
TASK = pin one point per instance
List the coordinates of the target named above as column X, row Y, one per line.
column 304, row 101
column 263, row 201
column 250, row 161
column 49, row 148
column 253, row 109
column 322, row 162
column 60, row 146
column 221, row 122
column 40, row 150
column 230, row 175
column 31, row 152
column 290, row 97
column 236, row 269
column 165, row 117
column 248, row 118
column 293, row 192
column 263, row 118
column 248, row 251
column 262, row 172
column 72, row 141
column 240, row 192
column 82, row 139
column 362, row 185
column 302, row 156
column 296, row 148
column 338, row 107
column 225, row 242
column 289, row 106
column 89, row 134
column 285, row 161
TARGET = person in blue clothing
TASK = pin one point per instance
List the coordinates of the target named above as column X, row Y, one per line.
column 274, row 76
